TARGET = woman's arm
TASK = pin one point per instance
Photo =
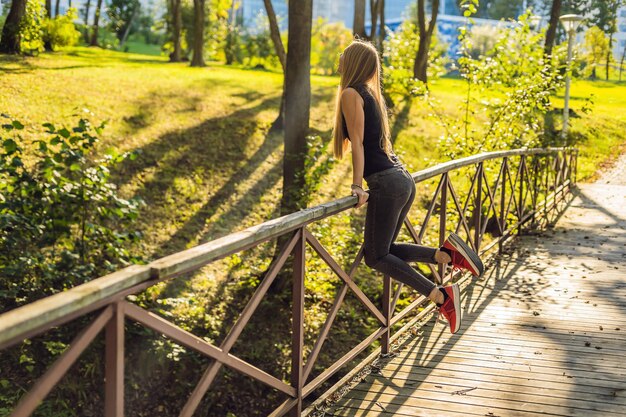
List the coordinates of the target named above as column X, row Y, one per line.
column 352, row 108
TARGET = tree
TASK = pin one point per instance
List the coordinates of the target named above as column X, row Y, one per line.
column 552, row 26
column 96, row 22
column 605, row 18
column 282, row 57
column 358, row 26
column 597, row 46
column 198, row 34
column 121, row 14
column 48, row 4
column 297, row 104
column 377, row 13
column 426, row 32
column 56, row 8
column 10, row 41
column 177, row 25
column 86, row 32
column 621, row 63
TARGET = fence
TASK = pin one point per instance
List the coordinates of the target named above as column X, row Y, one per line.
column 524, row 186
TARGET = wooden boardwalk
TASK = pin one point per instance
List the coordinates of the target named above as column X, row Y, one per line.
column 544, row 331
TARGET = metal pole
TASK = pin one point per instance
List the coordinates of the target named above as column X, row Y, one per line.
column 567, row 84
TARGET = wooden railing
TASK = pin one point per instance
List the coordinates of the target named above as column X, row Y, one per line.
column 523, row 186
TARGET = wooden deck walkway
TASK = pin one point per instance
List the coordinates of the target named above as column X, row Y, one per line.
column 544, row 331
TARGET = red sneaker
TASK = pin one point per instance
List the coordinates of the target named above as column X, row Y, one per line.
column 463, row 256
column 451, row 308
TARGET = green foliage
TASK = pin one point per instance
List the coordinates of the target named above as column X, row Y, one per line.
column 399, row 51
column 597, row 47
column 61, row 31
column 61, row 220
column 327, row 41
column 120, row 14
column 259, row 48
column 31, row 28
column 511, row 85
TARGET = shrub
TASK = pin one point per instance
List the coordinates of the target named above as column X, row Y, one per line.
column 31, row 28
column 327, row 41
column 61, row 30
column 62, row 222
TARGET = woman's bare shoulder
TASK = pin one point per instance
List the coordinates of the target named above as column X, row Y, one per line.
column 350, row 95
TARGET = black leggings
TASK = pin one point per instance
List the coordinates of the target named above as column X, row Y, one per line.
column 391, row 193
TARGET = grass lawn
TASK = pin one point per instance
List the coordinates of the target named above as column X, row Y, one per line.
column 207, row 164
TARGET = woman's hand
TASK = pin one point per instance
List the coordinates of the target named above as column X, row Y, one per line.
column 361, row 194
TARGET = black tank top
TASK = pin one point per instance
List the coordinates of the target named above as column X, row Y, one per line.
column 376, row 159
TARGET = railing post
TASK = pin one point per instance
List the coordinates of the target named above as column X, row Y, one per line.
column 114, row 364
column 442, row 220
column 385, row 339
column 478, row 205
column 297, row 335
column 503, row 213
column 522, row 166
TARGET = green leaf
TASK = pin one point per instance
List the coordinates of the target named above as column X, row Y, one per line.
column 50, row 127
column 65, row 133
column 16, row 124
column 10, row 146
column 75, row 167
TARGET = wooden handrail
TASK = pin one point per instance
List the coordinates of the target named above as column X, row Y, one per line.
column 18, row 323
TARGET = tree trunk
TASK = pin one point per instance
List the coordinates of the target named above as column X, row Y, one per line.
column 374, row 18
column 177, row 24
column 86, row 31
column 198, row 34
column 96, row 22
column 621, row 63
column 56, row 8
column 277, row 124
column 358, row 25
column 554, row 22
column 10, row 41
column 47, row 45
column 381, row 35
column 609, row 54
column 297, row 107
column 130, row 23
column 420, row 68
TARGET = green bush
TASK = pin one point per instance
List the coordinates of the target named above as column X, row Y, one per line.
column 62, row 222
column 328, row 40
column 31, row 28
column 400, row 49
column 61, row 30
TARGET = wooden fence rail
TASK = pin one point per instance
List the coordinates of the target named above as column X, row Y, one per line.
column 524, row 189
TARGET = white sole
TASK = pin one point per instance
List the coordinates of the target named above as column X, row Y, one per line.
column 472, row 258
column 457, row 306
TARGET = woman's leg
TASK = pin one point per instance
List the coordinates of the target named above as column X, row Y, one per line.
column 384, row 218
column 411, row 252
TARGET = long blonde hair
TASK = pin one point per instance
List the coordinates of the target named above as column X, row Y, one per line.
column 360, row 66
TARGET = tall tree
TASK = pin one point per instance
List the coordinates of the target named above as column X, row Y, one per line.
column 56, row 8
column 297, row 104
column 86, row 32
column 48, row 9
column 376, row 13
column 282, row 57
column 177, row 26
column 552, row 26
column 420, row 67
column 47, row 45
column 605, row 17
column 358, row 25
column 96, row 23
column 198, row 34
column 10, row 40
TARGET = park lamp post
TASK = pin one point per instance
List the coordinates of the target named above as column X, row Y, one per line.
column 570, row 23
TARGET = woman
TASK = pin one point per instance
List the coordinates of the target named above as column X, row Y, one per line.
column 361, row 123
